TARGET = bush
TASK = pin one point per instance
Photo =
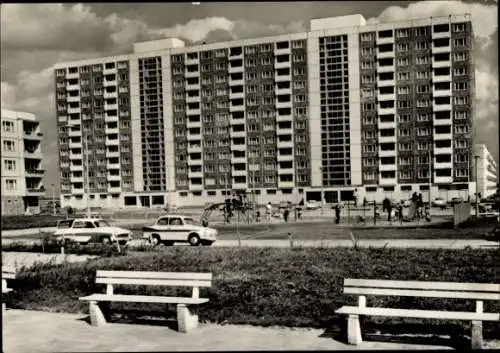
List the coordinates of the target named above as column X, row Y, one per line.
column 264, row 286
column 52, row 247
column 34, row 221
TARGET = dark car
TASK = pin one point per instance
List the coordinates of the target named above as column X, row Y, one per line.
column 493, row 235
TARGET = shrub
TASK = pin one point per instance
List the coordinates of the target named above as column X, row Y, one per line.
column 34, row 221
column 52, row 247
column 265, row 286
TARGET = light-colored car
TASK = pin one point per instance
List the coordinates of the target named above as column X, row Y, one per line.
column 173, row 228
column 312, row 205
column 439, row 202
column 90, row 230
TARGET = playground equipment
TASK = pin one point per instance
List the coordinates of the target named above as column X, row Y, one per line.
column 239, row 207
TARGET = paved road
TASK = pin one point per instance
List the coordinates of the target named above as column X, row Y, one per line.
column 331, row 243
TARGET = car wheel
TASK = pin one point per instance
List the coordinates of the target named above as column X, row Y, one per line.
column 105, row 240
column 155, row 240
column 194, row 240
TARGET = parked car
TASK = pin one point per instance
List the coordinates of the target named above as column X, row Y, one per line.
column 90, row 230
column 439, row 202
column 174, row 228
column 312, row 205
column 493, row 235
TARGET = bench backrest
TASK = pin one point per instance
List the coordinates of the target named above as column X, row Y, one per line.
column 8, row 273
column 475, row 291
column 146, row 278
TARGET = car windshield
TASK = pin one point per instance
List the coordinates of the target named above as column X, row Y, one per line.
column 189, row 221
column 101, row 223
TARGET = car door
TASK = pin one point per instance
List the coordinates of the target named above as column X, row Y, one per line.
column 177, row 229
column 79, row 232
column 163, row 228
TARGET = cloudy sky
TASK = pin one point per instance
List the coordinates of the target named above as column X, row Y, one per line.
column 35, row 37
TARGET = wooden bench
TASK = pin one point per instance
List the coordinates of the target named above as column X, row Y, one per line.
column 185, row 320
column 7, row 273
column 472, row 291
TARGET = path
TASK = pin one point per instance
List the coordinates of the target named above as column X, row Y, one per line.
column 60, row 332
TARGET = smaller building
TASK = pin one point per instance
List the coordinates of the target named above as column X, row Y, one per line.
column 487, row 175
column 22, row 168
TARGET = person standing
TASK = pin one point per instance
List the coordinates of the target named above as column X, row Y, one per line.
column 269, row 211
column 400, row 212
column 389, row 210
column 286, row 213
column 337, row 213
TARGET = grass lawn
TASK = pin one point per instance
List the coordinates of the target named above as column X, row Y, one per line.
column 288, row 287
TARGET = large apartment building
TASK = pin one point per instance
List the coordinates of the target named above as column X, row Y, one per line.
column 377, row 110
column 22, row 168
column 487, row 171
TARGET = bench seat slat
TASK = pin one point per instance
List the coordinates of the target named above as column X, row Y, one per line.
column 196, row 276
column 421, row 293
column 423, row 314
column 154, row 282
column 144, row 299
column 374, row 283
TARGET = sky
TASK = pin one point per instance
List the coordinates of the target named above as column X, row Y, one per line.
column 34, row 37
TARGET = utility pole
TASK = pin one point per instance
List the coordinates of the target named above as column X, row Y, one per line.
column 53, row 199
column 476, row 159
column 431, row 162
column 321, row 198
column 87, row 181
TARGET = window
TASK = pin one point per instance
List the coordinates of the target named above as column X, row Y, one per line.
column 422, row 103
column 299, row 71
column 460, row 86
column 10, row 165
column 251, row 75
column 9, row 146
column 461, row 129
column 369, row 176
column 422, row 173
column 403, row 61
column 460, row 115
column 423, row 89
column 404, row 160
column 370, row 162
column 406, row 174
column 403, row 104
column 459, row 42
column 7, row 126
column 458, row 27
column 405, row 147
column 461, row 173
column 423, row 60
column 11, row 184
column 402, row 33
column 367, row 93
column 422, row 75
column 404, row 132
column 460, row 71
column 403, row 47
column 422, row 131
column 423, row 117
column 403, row 76
column 367, row 65
column 460, row 100
column 461, row 158
column 366, row 37
column 366, row 51
column 403, row 90
column 460, row 56
column 369, row 148
column 421, row 45
column 367, row 79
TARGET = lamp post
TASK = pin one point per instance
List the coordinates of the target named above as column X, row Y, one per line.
column 321, row 198
column 430, row 178
column 87, row 181
column 53, row 198
column 476, row 159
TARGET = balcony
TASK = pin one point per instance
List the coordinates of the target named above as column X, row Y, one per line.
column 75, row 168
column 441, row 78
column 237, row 108
column 194, row 148
column 71, row 99
column 391, row 153
column 385, row 139
column 386, row 111
column 438, row 64
column 197, row 174
column 74, row 110
column 284, row 131
column 388, row 40
column 109, row 71
column 239, row 147
column 238, row 133
column 238, row 82
column 75, row 155
column 196, row 187
column 35, row 191
column 77, row 133
column 282, row 51
column 280, row 91
column 284, row 157
column 115, row 154
column 31, row 135
column 386, row 83
column 286, row 170
column 441, row 107
column 238, row 160
column 385, row 68
column 192, row 74
column 62, row 118
column 110, row 94
column 114, row 189
column 35, row 154
column 111, row 165
column 282, row 65
column 112, row 142
column 77, row 191
column 442, row 93
column 194, row 137
column 234, row 70
column 72, row 87
column 113, row 130
column 110, row 106
column 75, row 144
column 284, row 118
column 79, row 179
column 195, row 99
column 283, row 104
column 195, row 111
column 387, row 181
column 192, row 86
column 385, row 54
column 443, row 165
column 109, row 83
column 447, row 136
column 233, row 121
column 443, row 150
column 285, row 144
column 439, row 35
column 438, row 50
column 386, row 97
column 286, row 184
column 34, row 173
column 191, row 61
column 282, row 78
column 239, row 186
column 109, row 118
column 236, row 173
column 196, row 123
column 442, row 122
column 113, row 177
column 238, row 95
column 387, row 167
column 443, row 180
column 386, row 125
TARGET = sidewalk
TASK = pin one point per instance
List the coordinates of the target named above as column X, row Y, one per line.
column 35, row 331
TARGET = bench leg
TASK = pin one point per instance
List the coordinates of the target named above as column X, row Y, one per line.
column 96, row 316
column 4, row 308
column 477, row 335
column 354, row 330
column 185, row 320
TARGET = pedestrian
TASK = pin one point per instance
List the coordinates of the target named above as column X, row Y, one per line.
column 337, row 213
column 365, row 202
column 286, row 213
column 400, row 212
column 257, row 216
column 269, row 211
column 389, row 210
column 299, row 213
